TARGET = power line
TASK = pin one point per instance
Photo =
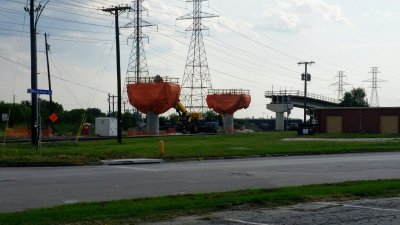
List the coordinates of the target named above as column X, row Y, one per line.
column 287, row 46
column 54, row 76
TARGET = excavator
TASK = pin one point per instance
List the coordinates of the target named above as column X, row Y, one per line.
column 189, row 122
column 193, row 122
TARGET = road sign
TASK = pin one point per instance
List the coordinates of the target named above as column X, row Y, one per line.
column 40, row 91
column 4, row 117
column 53, row 117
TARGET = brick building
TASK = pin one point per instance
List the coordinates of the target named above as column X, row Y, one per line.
column 357, row 120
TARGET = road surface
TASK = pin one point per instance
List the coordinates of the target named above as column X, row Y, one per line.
column 24, row 188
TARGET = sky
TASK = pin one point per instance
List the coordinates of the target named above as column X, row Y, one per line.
column 253, row 45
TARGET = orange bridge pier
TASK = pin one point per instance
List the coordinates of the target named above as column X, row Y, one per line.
column 153, row 96
column 227, row 102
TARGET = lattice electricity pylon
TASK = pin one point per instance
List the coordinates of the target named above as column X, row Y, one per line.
column 196, row 79
column 340, row 84
column 374, row 99
column 137, row 66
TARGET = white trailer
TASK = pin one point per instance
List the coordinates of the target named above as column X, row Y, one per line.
column 106, row 126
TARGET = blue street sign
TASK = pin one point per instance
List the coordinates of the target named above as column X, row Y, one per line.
column 40, row 91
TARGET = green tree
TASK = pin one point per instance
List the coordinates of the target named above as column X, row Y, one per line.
column 130, row 120
column 19, row 113
column 354, row 98
column 174, row 119
column 210, row 116
column 92, row 114
column 73, row 117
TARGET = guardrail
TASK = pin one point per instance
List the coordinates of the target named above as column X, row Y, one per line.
column 156, row 79
column 269, row 94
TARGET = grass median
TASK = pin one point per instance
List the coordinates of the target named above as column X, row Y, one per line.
column 162, row 208
column 182, row 147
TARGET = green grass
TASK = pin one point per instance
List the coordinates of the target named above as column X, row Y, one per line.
column 180, row 147
column 161, row 208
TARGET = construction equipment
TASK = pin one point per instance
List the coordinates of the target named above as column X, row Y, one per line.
column 189, row 122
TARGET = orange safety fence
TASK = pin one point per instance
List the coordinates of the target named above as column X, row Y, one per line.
column 133, row 132
column 26, row 132
column 153, row 97
column 228, row 103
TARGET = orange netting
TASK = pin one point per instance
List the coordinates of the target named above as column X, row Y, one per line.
column 228, row 103
column 153, row 97
column 26, row 132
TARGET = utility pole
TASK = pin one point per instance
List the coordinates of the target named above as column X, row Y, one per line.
column 48, row 78
column 34, row 100
column 34, row 14
column 48, row 66
column 113, row 104
column 306, row 77
column 109, row 105
column 116, row 11
column 48, row 70
column 374, row 99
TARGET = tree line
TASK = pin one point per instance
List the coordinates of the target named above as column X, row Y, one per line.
column 69, row 121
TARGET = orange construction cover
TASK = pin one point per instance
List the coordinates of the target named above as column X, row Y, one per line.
column 153, row 97
column 228, row 103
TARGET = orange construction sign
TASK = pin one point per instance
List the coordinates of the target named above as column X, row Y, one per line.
column 53, row 117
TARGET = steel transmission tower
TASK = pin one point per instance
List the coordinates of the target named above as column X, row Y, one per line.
column 137, row 66
column 196, row 79
column 374, row 99
column 340, row 84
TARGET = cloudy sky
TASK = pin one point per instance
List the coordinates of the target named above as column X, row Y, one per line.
column 254, row 45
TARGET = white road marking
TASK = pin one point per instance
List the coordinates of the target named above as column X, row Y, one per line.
column 359, row 207
column 245, row 222
column 138, row 168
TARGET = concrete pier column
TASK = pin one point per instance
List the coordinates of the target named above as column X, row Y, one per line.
column 152, row 125
column 228, row 123
column 280, row 121
column 279, row 109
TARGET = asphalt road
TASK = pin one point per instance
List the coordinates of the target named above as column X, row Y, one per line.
column 23, row 188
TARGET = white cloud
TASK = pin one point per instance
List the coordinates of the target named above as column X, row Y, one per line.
column 298, row 15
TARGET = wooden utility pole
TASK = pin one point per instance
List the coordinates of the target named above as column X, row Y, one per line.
column 109, row 105
column 34, row 100
column 116, row 11
column 306, row 77
column 34, row 14
column 48, row 68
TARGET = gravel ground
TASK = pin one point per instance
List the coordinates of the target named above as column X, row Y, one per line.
column 343, row 139
column 375, row 212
